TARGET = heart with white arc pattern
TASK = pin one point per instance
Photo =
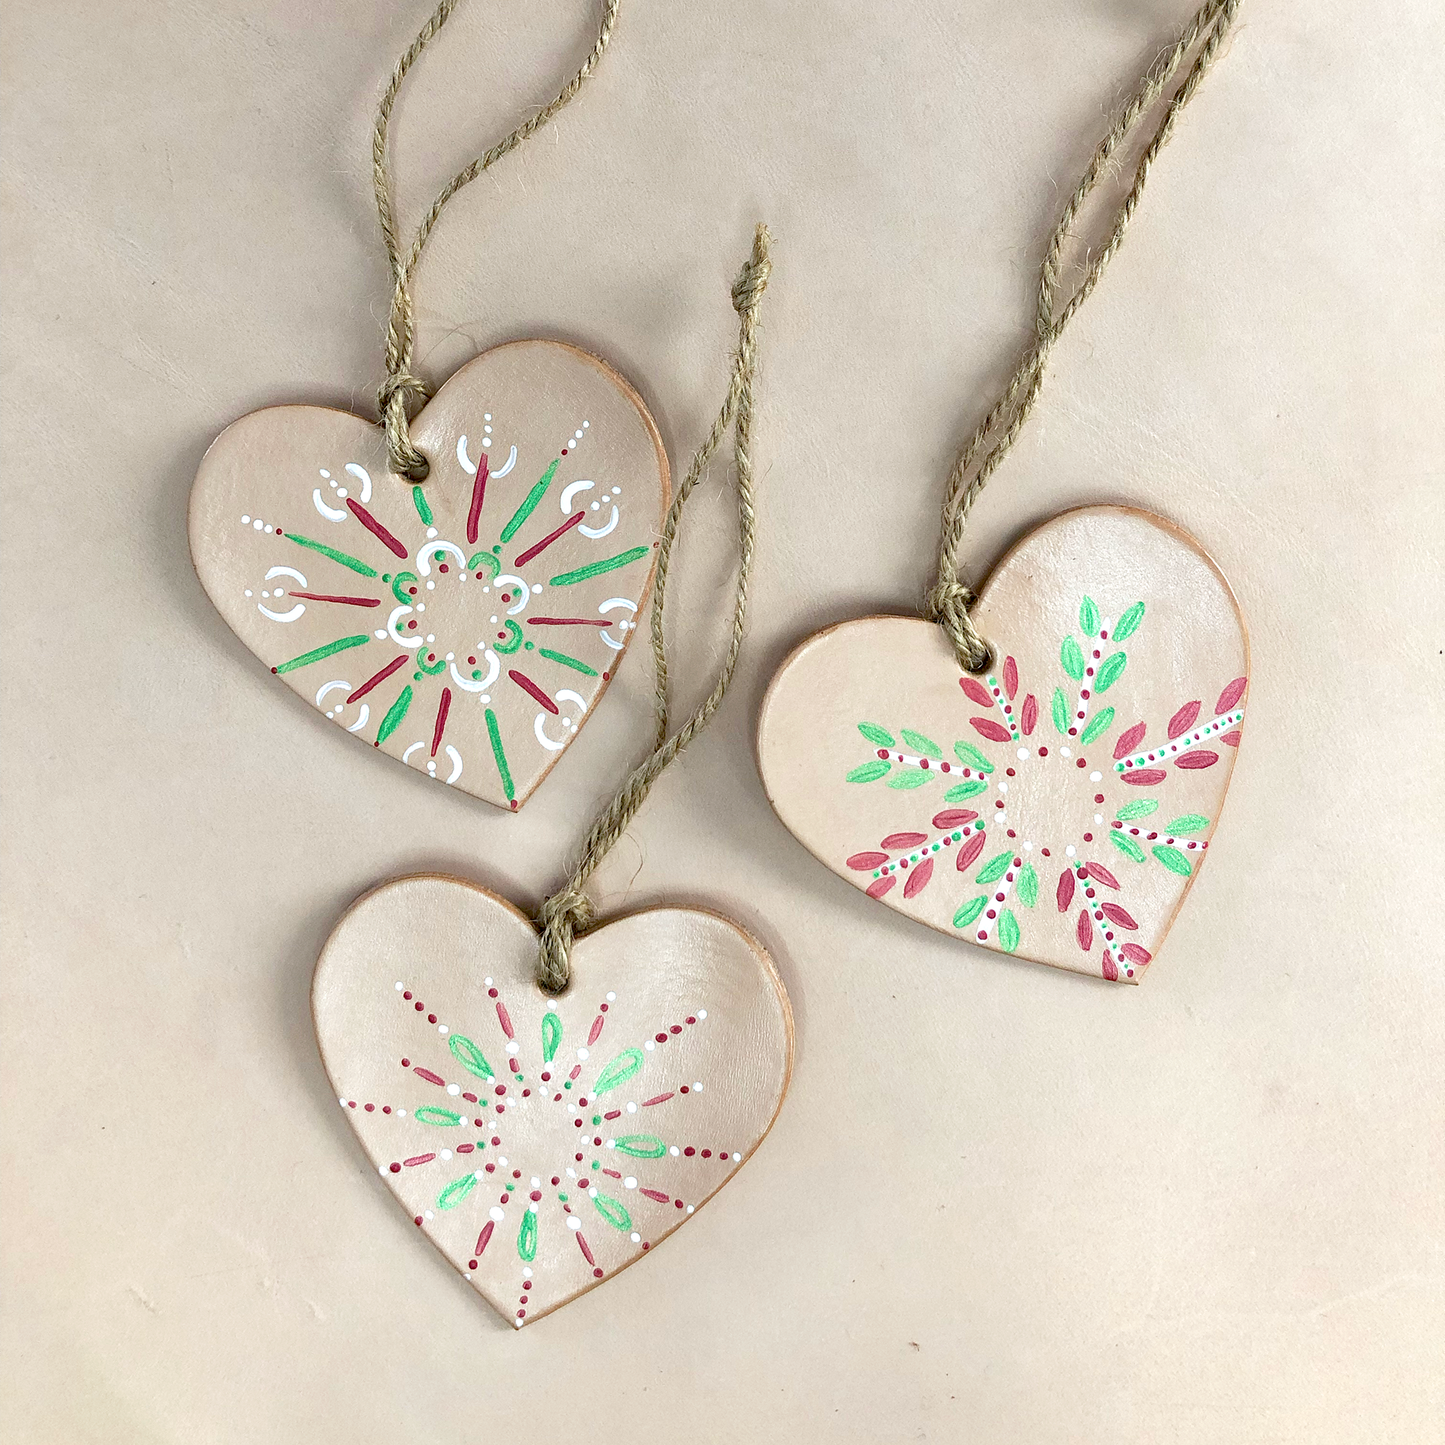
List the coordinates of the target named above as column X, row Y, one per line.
column 543, row 1144
column 1057, row 807
column 466, row 626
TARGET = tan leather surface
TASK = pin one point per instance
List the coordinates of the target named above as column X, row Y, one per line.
column 1060, row 805
column 1001, row 1203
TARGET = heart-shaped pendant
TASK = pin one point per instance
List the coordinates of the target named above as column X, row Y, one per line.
column 543, row 1144
column 466, row 626
column 1058, row 807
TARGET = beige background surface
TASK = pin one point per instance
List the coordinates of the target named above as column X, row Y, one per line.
column 1001, row 1204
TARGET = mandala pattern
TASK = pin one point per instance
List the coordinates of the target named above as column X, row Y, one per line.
column 1000, row 869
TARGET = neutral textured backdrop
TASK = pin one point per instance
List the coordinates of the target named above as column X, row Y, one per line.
column 1001, row 1204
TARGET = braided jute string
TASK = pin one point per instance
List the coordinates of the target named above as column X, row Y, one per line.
column 401, row 391
column 949, row 600
column 568, row 911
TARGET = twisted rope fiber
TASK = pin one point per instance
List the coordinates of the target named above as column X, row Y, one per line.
column 401, row 390
column 949, row 599
column 568, row 912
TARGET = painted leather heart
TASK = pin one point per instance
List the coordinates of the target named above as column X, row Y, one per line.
column 1058, row 807
column 467, row 626
column 543, row 1144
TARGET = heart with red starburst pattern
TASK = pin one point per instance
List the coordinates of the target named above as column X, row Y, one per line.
column 541, row 1143
column 1060, row 805
column 467, row 626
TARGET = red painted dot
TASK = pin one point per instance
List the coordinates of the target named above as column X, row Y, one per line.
column 683, row 1090
column 677, row 1203
column 596, row 1274
column 689, row 1151
column 471, row 1264
column 396, row 1168
column 646, row 1245
column 1088, row 837
column 406, row 1063
column 606, row 677
column 584, row 1183
column 501, row 1108
column 407, row 994
column 992, row 914
column 496, row 1140
column 1098, row 797
column 417, row 1220
column 370, row 1108
column 578, row 1158
column 431, row 1018
column 491, row 1168
column 443, row 568
column 707, row 1153
column 675, row 1029
column 419, row 1006
column 1011, row 772
column 1044, row 851
column 491, row 993
column 1043, row 752
column 386, row 1108
column 1082, row 763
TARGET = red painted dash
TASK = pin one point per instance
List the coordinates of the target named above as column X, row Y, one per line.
column 596, row 1030
column 551, row 537
column 656, row 1194
column 479, row 494
column 443, row 707
column 527, row 685
column 570, row 621
column 505, row 1019
column 418, row 1159
column 430, row 1077
column 484, row 1238
column 379, row 677
column 582, row 1245
column 657, row 1099
column 375, row 527
column 348, row 601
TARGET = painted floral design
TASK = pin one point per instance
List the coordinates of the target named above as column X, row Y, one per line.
column 999, row 872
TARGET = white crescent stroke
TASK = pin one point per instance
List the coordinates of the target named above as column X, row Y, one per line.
column 361, row 722
column 522, row 588
column 470, row 467
column 611, row 605
column 394, row 634
column 540, row 725
column 362, row 476
column 601, row 531
column 511, row 462
column 423, row 565
column 287, row 572
column 406, row 756
column 290, row 616
column 456, row 758
column 570, row 491
column 332, row 514
column 331, row 687
column 467, row 684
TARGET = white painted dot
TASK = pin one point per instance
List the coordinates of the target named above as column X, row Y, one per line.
column 342, row 1101
column 430, row 1215
column 1023, row 753
column 496, row 1213
column 582, row 1054
column 688, row 1210
column 586, row 424
column 502, row 1162
column 531, row 1209
column 325, row 473
column 1003, row 787
column 697, row 1087
column 431, row 531
column 1098, row 817
column 487, row 982
column 421, row 607
column 431, row 636
column 401, row 1113
column 1028, row 847
column 612, row 1143
column 674, row 1151
column 536, row 588
column 451, row 657
column 1094, row 777
column 527, row 1273
column 737, row 1156
column 592, row 1192
column 596, row 506
column 380, row 632
column 245, row 521
column 573, row 1222
column 611, row 998
column 330, row 714
column 398, row 986
column 1065, row 753
column 382, row 1170
column 637, row 1239
column 443, row 1029
column 702, row 1013
column 341, row 491
column 486, row 416
column 446, row 1154
column 249, row 593
column 632, row 1108
column 629, row 1183
column 269, row 527
column 571, row 1173
column 454, row 1089
column 431, row 587
column 1070, row 850
column 478, row 1175
column 493, row 619
column 651, row 1044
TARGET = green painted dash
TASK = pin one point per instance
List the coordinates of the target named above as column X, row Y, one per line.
column 565, row 660
column 530, row 505
column 596, row 569
column 505, row 773
column 316, row 654
column 345, row 558
column 394, row 715
column 423, row 507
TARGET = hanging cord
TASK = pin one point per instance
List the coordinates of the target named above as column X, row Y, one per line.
column 949, row 599
column 401, row 391
column 568, row 912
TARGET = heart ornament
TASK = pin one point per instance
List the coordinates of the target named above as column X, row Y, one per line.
column 1057, row 807
column 467, row 626
column 543, row 1144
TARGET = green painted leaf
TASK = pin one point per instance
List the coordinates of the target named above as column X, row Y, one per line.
column 641, row 1146
column 970, row 911
column 1061, row 712
column 1128, row 624
column 1008, row 931
column 995, row 868
column 908, row 778
column 970, row 755
column 963, row 791
column 870, row 772
column 469, row 1056
column 1110, row 670
column 622, row 1068
column 1071, row 659
column 456, row 1191
column 551, row 1035
column 1173, row 859
column 1140, row 809
column 1088, row 618
column 1189, row 823
column 613, row 1211
column 1099, row 724
column 921, row 744
column 1028, row 886
column 879, row 737
column 442, row 1117
column 1125, row 844
column 527, row 1235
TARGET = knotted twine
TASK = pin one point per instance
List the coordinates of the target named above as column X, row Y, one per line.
column 568, row 912
column 402, row 392
column 949, row 599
